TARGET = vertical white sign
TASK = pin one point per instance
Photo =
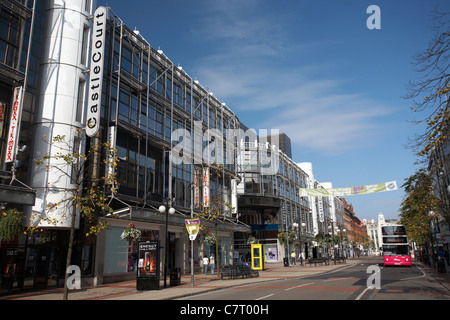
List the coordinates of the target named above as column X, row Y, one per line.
column 234, row 201
column 111, row 153
column 2, row 117
column 96, row 72
column 12, row 137
column 320, row 201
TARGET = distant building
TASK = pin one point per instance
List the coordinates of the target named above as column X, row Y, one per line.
column 283, row 143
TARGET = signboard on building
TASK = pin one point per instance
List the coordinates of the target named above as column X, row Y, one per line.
column 2, row 117
column 320, row 203
column 234, row 200
column 12, row 138
column 197, row 188
column 94, row 99
column 206, row 187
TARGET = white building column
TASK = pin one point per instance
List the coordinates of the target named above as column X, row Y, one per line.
column 63, row 79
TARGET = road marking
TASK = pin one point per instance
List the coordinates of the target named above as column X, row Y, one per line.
column 423, row 274
column 302, row 285
column 340, row 269
column 362, row 293
column 335, row 279
column 269, row 295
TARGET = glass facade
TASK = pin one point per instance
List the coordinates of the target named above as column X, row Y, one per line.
column 269, row 201
column 146, row 98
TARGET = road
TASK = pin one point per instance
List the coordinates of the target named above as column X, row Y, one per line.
column 350, row 282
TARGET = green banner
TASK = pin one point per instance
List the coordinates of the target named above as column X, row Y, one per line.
column 350, row 191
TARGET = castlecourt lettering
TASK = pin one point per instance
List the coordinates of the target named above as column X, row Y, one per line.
column 96, row 72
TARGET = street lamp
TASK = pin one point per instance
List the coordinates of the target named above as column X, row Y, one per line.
column 342, row 242
column 303, row 225
column 171, row 210
column 332, row 234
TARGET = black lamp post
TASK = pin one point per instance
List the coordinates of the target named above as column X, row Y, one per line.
column 162, row 209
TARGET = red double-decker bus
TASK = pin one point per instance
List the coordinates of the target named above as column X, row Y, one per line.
column 396, row 251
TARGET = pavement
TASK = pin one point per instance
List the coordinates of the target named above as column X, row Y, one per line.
column 126, row 290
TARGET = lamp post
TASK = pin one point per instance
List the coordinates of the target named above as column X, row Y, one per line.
column 171, row 210
column 192, row 241
column 342, row 241
column 295, row 225
column 332, row 235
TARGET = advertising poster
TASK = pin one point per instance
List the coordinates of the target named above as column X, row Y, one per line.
column 148, row 259
column 271, row 253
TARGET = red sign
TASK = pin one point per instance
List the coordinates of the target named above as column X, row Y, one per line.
column 205, row 187
column 13, row 125
column 196, row 189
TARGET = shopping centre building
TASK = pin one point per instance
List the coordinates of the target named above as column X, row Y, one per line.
column 70, row 67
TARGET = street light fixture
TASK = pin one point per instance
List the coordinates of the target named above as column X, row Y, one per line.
column 171, row 210
column 342, row 242
column 332, row 234
column 303, row 225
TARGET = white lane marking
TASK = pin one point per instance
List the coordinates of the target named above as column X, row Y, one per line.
column 423, row 274
column 337, row 279
column 362, row 293
column 269, row 295
column 302, row 285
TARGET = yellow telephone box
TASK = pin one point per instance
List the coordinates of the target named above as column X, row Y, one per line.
column 258, row 257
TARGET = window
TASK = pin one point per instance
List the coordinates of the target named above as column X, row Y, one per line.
column 126, row 60
column 169, row 89
column 84, row 45
column 124, row 101
column 212, row 118
column 205, row 114
column 159, row 124
column 188, row 102
column 87, row 6
column 167, row 126
column 9, row 38
column 80, row 100
column 197, row 110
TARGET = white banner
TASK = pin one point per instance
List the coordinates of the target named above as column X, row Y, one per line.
column 341, row 192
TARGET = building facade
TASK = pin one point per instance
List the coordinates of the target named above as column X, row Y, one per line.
column 69, row 67
column 269, row 198
column 174, row 141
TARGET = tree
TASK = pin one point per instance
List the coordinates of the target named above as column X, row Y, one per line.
column 87, row 193
column 430, row 95
column 416, row 206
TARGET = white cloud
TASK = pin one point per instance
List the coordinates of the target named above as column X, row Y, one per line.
column 316, row 111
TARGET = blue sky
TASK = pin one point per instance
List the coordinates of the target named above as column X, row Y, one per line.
column 311, row 69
